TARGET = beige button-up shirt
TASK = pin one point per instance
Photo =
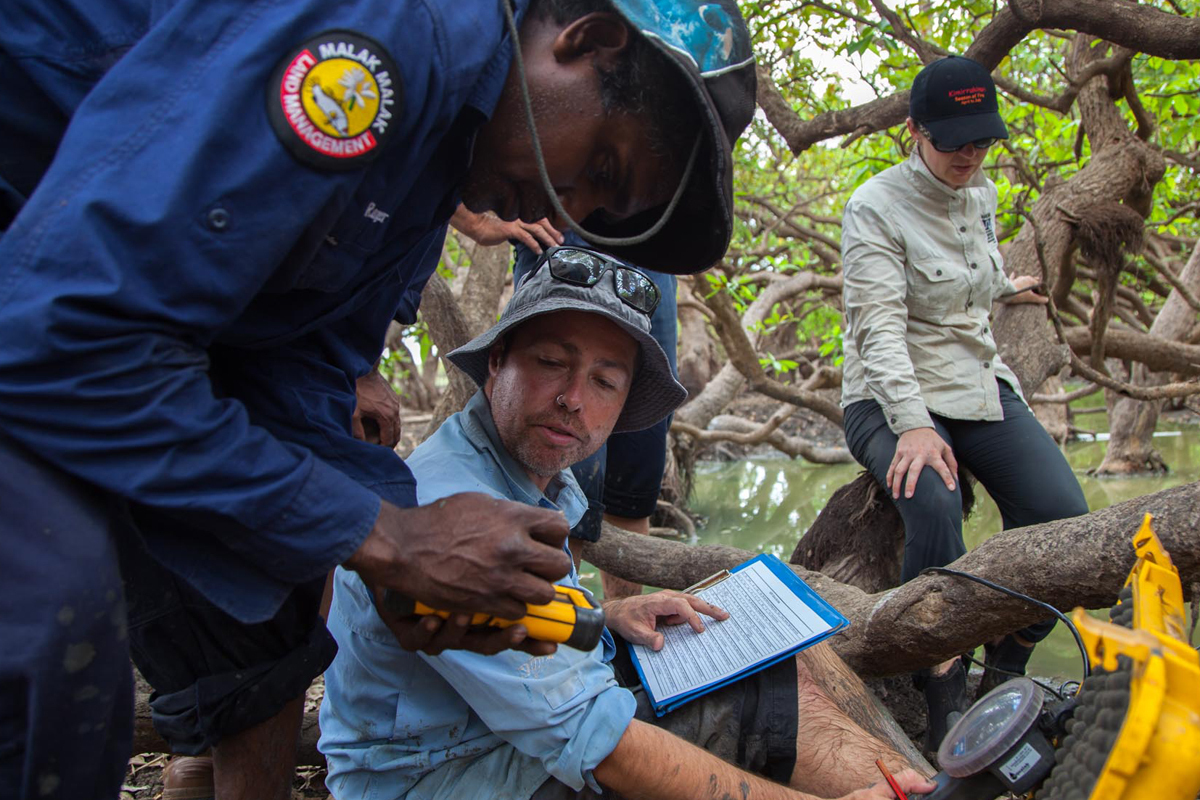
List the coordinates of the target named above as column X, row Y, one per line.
column 921, row 269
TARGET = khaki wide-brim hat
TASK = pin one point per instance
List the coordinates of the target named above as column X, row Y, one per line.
column 654, row 392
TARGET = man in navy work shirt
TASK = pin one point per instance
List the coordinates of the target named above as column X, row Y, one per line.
column 211, row 210
column 567, row 364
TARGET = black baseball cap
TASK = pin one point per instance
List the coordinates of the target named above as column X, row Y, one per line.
column 954, row 98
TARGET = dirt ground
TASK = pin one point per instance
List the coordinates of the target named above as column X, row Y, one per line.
column 143, row 781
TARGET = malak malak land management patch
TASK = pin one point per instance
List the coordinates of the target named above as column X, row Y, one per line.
column 332, row 99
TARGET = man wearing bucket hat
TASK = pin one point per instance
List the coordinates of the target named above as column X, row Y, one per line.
column 924, row 388
column 211, row 211
column 623, row 479
column 570, row 360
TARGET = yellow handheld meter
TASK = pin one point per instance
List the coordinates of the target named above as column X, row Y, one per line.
column 569, row 619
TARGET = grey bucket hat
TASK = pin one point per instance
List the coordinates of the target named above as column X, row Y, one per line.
column 654, row 393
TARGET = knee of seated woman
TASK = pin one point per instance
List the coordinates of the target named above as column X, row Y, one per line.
column 932, row 498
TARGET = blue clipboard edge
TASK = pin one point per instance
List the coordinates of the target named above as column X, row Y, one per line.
column 802, row 590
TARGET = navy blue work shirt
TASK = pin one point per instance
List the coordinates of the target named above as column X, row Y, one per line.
column 192, row 276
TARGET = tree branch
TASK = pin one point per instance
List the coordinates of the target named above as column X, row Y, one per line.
column 1157, row 353
column 924, row 50
column 757, row 435
column 1082, row 561
column 798, row 231
column 1135, row 26
column 744, row 357
column 1183, row 159
column 1168, row 274
column 1065, row 397
column 791, row 446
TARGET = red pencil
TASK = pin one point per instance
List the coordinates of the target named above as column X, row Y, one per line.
column 891, row 781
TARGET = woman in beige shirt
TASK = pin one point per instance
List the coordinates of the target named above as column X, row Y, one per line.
column 924, row 388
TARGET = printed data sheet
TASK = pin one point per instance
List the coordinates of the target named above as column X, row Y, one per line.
column 766, row 618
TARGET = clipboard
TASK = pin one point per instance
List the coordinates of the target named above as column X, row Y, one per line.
column 831, row 621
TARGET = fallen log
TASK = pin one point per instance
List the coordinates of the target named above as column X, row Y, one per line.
column 1073, row 562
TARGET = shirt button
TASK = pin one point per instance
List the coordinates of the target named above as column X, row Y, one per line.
column 893, row 420
column 218, row 219
column 963, row 229
column 970, row 303
column 987, row 364
column 985, row 329
column 974, row 265
column 939, row 272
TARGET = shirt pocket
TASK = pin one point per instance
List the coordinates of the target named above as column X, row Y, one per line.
column 999, row 279
column 357, row 231
column 429, row 716
column 566, row 690
column 935, row 287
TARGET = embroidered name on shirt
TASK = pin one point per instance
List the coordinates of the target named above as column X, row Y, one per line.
column 331, row 100
column 986, row 219
column 534, row 667
column 374, row 214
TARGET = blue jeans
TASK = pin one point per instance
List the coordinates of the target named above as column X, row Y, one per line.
column 66, row 687
column 1015, row 459
column 624, row 476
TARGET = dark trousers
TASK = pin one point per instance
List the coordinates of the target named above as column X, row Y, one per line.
column 66, row 687
column 1014, row 459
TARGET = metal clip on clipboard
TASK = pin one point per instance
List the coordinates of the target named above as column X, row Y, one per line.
column 710, row 581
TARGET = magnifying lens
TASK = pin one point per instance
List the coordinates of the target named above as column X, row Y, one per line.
column 996, row 747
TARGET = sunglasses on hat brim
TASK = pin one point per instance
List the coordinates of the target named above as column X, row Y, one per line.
column 581, row 267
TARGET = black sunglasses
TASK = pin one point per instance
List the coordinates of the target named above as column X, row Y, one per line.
column 581, row 267
column 980, row 144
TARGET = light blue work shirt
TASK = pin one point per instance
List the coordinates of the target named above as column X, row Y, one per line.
column 464, row 725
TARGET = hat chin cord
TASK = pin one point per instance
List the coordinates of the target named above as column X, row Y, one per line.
column 547, row 184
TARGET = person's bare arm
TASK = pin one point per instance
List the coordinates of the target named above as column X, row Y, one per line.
column 488, row 230
column 1025, row 290
column 651, row 763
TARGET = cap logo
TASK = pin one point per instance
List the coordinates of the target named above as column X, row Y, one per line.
column 332, row 99
column 968, row 97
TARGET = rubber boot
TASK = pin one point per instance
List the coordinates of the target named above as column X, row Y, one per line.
column 1009, row 655
column 946, row 699
column 188, row 778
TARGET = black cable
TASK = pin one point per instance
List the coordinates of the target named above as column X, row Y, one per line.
column 1011, row 674
column 1087, row 663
